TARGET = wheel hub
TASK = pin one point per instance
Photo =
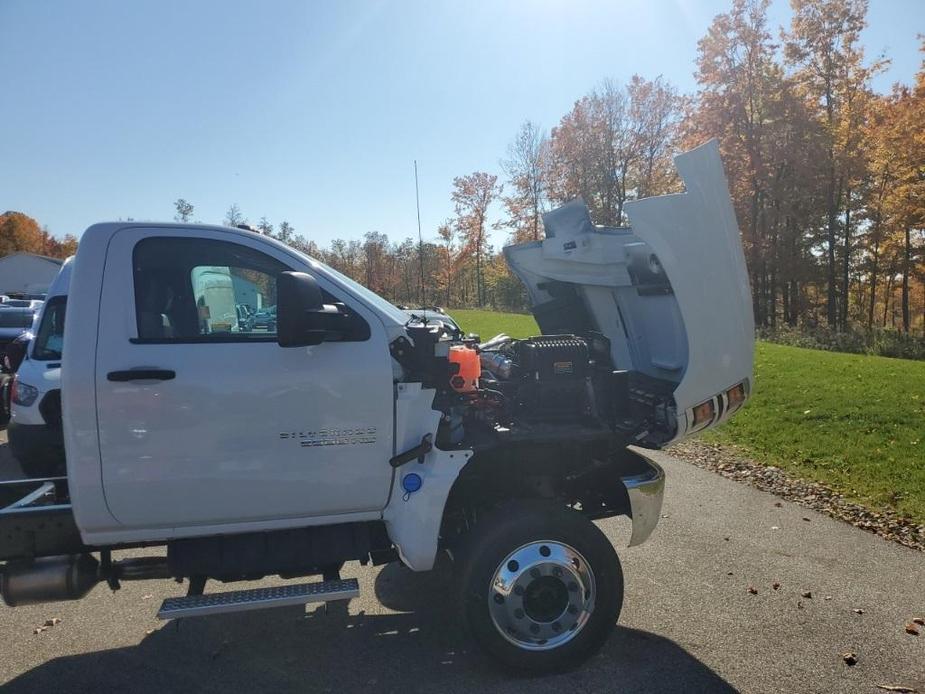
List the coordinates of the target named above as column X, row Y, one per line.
column 541, row 595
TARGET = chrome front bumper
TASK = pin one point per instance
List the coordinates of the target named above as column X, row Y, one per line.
column 645, row 490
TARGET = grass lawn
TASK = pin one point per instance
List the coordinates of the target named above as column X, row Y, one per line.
column 487, row 324
column 852, row 421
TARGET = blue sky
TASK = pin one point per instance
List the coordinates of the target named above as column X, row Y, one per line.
column 313, row 112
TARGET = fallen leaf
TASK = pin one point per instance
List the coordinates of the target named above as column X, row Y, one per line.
column 807, row 594
column 858, row 610
column 919, row 621
column 753, row 590
column 897, row 688
column 53, row 622
column 912, row 629
column 39, row 630
column 827, row 597
column 729, row 573
column 778, row 504
column 806, row 519
column 726, row 539
column 799, row 604
column 850, row 658
column 775, row 586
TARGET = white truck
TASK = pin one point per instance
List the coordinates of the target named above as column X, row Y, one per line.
column 354, row 434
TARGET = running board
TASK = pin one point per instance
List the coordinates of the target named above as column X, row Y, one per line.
column 258, row 598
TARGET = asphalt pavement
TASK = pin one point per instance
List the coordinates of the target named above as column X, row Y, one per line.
column 689, row 622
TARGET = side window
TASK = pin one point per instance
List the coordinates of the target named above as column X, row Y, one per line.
column 50, row 337
column 201, row 290
column 234, row 300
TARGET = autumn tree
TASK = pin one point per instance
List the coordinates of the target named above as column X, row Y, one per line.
column 265, row 227
column 233, row 216
column 655, row 109
column 899, row 162
column 472, row 196
column 64, row 247
column 741, row 90
column 446, row 232
column 184, row 211
column 823, row 46
column 286, row 232
column 614, row 145
column 20, row 233
column 525, row 167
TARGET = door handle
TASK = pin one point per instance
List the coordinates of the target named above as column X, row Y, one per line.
column 141, row 375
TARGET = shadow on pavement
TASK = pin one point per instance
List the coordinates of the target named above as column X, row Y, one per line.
column 289, row 649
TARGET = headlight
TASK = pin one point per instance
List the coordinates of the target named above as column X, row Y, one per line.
column 23, row 394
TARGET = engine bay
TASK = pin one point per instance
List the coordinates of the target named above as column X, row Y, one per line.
column 545, row 386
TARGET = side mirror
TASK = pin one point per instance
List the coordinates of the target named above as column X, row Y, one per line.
column 298, row 305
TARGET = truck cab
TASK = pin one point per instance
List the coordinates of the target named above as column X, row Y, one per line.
column 346, row 429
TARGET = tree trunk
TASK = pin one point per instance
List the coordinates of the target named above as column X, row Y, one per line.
column 478, row 271
column 449, row 274
column 889, row 292
column 846, row 262
column 874, row 269
column 907, row 256
column 832, row 293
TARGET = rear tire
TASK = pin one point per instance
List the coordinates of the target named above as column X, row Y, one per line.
column 540, row 586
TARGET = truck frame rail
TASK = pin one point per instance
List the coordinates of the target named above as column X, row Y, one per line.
column 36, row 519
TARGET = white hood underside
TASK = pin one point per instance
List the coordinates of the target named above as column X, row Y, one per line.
column 671, row 291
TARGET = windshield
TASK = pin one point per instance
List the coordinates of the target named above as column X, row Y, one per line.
column 50, row 335
column 16, row 319
column 367, row 295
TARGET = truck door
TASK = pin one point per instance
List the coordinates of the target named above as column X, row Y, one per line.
column 203, row 419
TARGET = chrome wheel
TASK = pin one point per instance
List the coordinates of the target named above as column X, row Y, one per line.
column 541, row 595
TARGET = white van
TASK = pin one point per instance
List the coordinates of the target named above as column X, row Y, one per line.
column 34, row 431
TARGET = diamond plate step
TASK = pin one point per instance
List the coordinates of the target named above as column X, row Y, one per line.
column 258, row 598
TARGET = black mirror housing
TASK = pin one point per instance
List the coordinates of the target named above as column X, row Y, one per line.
column 298, row 305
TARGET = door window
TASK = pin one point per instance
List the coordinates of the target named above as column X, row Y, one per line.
column 201, row 290
column 50, row 337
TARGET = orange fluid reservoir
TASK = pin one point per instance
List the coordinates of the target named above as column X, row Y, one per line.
column 466, row 378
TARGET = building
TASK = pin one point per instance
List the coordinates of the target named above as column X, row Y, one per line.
column 27, row 273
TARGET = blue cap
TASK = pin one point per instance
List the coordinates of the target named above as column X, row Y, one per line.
column 411, row 482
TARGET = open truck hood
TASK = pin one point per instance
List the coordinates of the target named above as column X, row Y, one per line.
column 671, row 293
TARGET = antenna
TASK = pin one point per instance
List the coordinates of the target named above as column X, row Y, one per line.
column 417, row 198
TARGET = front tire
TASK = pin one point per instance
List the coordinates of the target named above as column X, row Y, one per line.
column 540, row 586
